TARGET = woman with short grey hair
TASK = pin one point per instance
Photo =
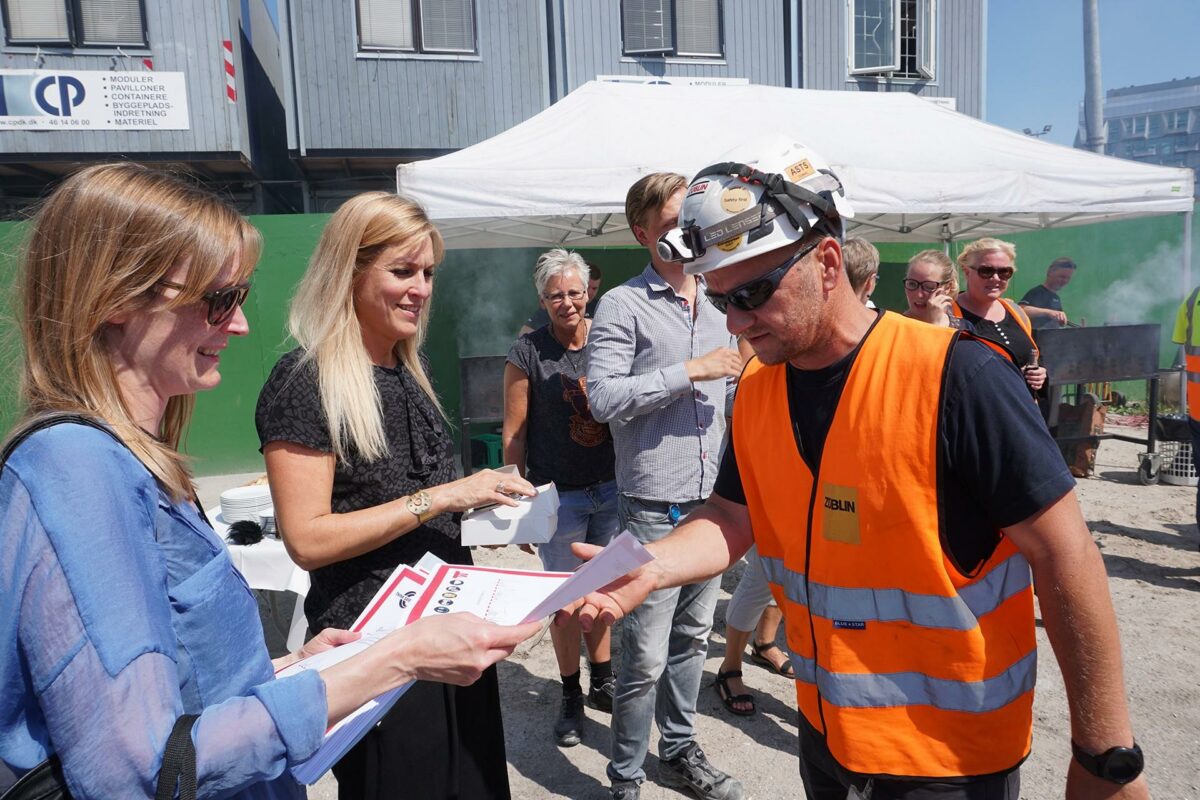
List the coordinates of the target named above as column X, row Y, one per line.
column 556, row 262
column 550, row 434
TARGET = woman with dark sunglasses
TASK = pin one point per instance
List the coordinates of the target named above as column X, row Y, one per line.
column 988, row 264
column 120, row 609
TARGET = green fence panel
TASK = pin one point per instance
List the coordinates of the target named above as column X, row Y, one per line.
column 1128, row 272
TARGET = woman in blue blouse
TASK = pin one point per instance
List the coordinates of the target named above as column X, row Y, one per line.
column 119, row 607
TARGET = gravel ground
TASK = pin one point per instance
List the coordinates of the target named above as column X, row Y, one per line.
column 1149, row 541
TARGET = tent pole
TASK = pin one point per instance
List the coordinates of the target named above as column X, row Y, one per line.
column 1187, row 250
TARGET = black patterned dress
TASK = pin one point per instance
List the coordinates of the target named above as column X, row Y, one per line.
column 439, row 741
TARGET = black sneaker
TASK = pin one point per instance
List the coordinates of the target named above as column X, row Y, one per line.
column 568, row 731
column 691, row 771
column 624, row 790
column 600, row 696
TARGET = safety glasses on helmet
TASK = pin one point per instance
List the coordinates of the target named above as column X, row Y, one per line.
column 1003, row 273
column 752, row 294
column 222, row 303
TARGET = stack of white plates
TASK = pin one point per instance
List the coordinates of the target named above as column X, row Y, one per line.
column 266, row 518
column 246, row 503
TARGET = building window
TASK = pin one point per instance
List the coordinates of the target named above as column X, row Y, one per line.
column 1177, row 121
column 1138, row 125
column 417, row 26
column 689, row 28
column 74, row 23
column 893, row 38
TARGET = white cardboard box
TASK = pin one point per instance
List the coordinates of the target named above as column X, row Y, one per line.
column 533, row 521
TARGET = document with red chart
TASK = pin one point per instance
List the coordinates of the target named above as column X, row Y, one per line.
column 435, row 588
column 502, row 596
column 510, row 596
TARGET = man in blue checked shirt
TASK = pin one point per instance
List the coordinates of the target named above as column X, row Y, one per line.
column 661, row 371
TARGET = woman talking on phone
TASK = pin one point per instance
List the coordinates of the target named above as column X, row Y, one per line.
column 930, row 285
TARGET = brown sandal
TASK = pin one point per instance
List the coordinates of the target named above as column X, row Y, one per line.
column 756, row 655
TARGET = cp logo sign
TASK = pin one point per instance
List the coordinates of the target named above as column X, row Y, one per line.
column 58, row 94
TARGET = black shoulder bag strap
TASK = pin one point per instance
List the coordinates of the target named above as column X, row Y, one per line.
column 46, row 780
column 49, row 422
column 179, row 762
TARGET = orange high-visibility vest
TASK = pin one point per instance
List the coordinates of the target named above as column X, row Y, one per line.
column 1016, row 313
column 1189, row 336
column 907, row 666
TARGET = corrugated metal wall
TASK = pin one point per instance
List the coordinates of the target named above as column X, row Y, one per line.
column 754, row 44
column 183, row 37
column 390, row 102
column 960, row 52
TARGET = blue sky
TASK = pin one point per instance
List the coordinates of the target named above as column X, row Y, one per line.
column 1035, row 56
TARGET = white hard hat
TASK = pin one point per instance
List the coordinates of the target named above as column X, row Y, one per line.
column 760, row 197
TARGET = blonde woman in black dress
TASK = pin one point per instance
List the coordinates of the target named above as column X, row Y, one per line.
column 362, row 473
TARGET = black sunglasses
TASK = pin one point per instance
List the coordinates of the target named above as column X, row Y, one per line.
column 1003, row 273
column 752, row 294
column 222, row 303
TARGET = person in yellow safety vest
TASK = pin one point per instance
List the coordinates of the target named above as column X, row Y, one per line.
column 1187, row 333
column 904, row 499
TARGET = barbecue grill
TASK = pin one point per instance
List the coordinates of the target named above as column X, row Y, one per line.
column 1075, row 356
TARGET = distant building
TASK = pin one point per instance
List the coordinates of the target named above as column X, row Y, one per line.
column 1158, row 123
column 294, row 105
column 197, row 86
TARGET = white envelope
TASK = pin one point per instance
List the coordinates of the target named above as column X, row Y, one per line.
column 533, row 521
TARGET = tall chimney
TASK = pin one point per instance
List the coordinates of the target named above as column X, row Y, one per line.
column 1093, row 94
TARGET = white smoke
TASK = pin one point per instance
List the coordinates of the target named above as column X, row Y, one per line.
column 490, row 294
column 1150, row 293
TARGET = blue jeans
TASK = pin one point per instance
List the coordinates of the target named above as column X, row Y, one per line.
column 586, row 515
column 664, row 642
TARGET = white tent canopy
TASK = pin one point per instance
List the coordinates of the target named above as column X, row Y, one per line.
column 915, row 171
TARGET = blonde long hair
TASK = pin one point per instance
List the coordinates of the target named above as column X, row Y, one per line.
column 95, row 250
column 323, row 322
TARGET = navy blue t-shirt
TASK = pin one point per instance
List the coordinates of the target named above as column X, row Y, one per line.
column 1041, row 297
column 564, row 442
column 998, row 462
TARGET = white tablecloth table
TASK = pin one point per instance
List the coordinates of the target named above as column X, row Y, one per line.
column 267, row 566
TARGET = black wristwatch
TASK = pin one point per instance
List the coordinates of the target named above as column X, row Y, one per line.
column 1117, row 764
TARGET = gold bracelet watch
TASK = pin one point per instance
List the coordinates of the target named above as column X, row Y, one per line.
column 420, row 504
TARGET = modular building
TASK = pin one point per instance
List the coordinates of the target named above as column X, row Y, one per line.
column 293, row 105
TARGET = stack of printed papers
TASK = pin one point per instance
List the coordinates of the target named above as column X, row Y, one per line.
column 432, row 588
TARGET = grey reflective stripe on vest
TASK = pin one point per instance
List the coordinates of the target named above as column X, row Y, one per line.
column 959, row 613
column 1191, row 316
column 854, row 690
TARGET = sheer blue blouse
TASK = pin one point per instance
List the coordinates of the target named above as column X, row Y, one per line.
column 120, row 610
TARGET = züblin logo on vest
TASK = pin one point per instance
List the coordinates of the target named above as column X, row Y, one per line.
column 30, row 95
column 840, row 522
